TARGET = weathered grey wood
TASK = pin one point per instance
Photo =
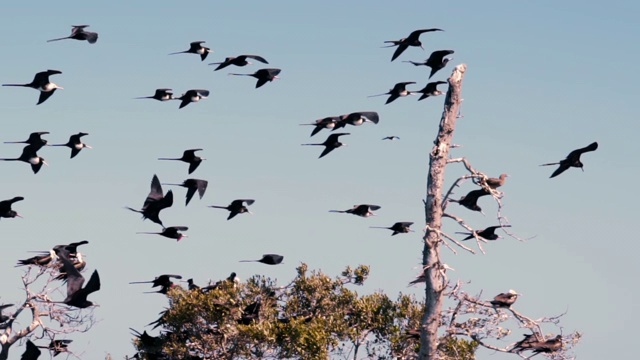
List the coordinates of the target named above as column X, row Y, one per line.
column 435, row 281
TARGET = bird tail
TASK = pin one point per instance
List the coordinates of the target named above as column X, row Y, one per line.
column 140, row 282
column 15, row 142
column 555, row 163
column 248, row 261
column 414, row 63
column 144, row 97
column 14, row 84
column 378, row 95
column 310, row 144
column 179, row 52
column 171, row 184
column 134, row 210
column 337, row 211
column 9, row 159
column 377, row 227
column 146, row 233
column 217, row 207
column 167, row 159
column 56, row 144
column 62, row 38
column 241, row 74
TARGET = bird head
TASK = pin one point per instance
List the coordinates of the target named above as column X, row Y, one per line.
column 420, row 44
column 513, row 292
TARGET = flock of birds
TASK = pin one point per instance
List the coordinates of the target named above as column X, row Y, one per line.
column 68, row 262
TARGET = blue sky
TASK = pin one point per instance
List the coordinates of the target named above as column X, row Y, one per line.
column 543, row 78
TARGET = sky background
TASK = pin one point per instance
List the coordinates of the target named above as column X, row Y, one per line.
column 543, row 78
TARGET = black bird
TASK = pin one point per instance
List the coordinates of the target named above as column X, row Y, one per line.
column 357, row 119
column 505, row 300
column 398, row 90
column 488, row 233
column 155, row 202
column 397, row 228
column 78, row 262
column 431, row 90
column 58, row 346
column 412, row 40
column 189, row 156
column 78, row 32
column 250, row 313
column 5, row 207
column 192, row 186
column 236, row 207
column 31, row 352
column 30, row 156
column 331, row 143
column 392, row 137
column 529, row 341
column 40, row 260
column 35, row 140
column 232, row 280
column 163, row 280
column 196, row 48
column 145, row 339
column 363, row 210
column 76, row 294
column 171, row 232
column 193, row 95
column 436, row 61
column 263, row 76
column 572, row 160
column 325, row 123
column 71, row 248
column 75, row 144
column 160, row 95
column 192, row 285
column 548, row 346
column 240, row 60
column 4, row 318
column 470, row 201
column 269, row 259
column 41, row 82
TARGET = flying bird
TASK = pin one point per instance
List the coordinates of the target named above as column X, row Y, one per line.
column 488, row 233
column 357, row 119
column 160, row 95
column 269, row 259
column 71, row 248
column 75, row 144
column 363, row 210
column 331, row 143
column 399, row 90
column 31, row 352
column 192, row 186
column 470, row 201
column 236, row 207
column 155, row 202
column 572, row 160
column 494, row 183
column 78, row 32
column 263, row 76
column 505, row 300
column 240, row 60
column 190, row 157
column 171, row 232
column 431, row 89
column 41, row 82
column 40, row 260
column 325, row 123
column 196, row 48
column 5, row 208
column 412, row 40
column 392, row 137
column 436, row 61
column 162, row 281
column 397, row 228
column 193, row 95
column 35, row 140
column 30, row 156
column 78, row 262
column 76, row 294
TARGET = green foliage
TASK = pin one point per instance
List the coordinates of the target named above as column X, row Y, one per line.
column 313, row 317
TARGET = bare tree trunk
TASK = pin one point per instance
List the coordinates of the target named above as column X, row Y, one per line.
column 433, row 268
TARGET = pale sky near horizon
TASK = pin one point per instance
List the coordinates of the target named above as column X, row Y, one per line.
column 543, row 78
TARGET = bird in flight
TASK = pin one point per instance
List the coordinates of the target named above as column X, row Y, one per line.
column 236, row 207
column 263, row 76
column 190, row 157
column 193, row 95
column 470, row 201
column 5, row 208
column 41, row 82
column 356, row 119
column 269, row 259
column 436, row 61
column 76, row 294
column 328, row 122
column 171, row 232
column 196, row 48
column 397, row 228
column 240, row 60
column 160, row 95
column 412, row 40
column 30, row 156
column 488, row 233
column 392, row 137
column 155, row 202
column 572, row 160
column 192, row 186
column 363, row 210
column 35, row 140
column 75, row 144
column 431, row 89
column 330, row 143
column 399, row 90
column 78, row 32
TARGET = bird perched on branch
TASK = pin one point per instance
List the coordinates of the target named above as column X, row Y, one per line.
column 196, row 47
column 494, row 183
column 431, row 89
column 363, row 210
column 548, row 346
column 192, row 186
column 505, row 300
column 75, row 144
column 190, row 157
column 263, row 75
column 35, row 140
column 398, row 90
column 30, row 157
column 397, row 228
column 572, row 160
column 269, row 259
column 41, row 82
column 236, row 207
column 412, row 40
column 155, row 202
column 330, row 143
column 488, row 233
column 78, row 32
column 240, row 60
column 436, row 61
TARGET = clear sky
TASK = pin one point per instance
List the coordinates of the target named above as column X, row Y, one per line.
column 543, row 78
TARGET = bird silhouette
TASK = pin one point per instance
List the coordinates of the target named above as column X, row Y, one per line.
column 412, row 40
column 196, row 48
column 75, row 144
column 240, row 60
column 163, row 281
column 548, row 346
column 324, row 123
column 399, row 90
column 155, row 202
column 392, row 137
column 171, row 232
column 145, row 339
column 40, row 260
column 397, row 228
column 236, row 207
column 35, row 140
column 58, row 346
column 529, row 341
column 190, row 157
column 488, row 233
column 436, row 61
column 30, row 156
column 494, row 183
column 78, row 262
column 192, row 186
column 431, row 89
column 76, row 294
column 5, row 208
column 357, row 119
column 470, row 201
column 4, row 318
column 193, row 95
column 505, row 300
column 263, row 76
column 269, row 259
column 330, row 143
column 71, row 248
column 572, row 160
column 363, row 210
column 31, row 352
column 41, row 82
column 78, row 32
column 160, row 95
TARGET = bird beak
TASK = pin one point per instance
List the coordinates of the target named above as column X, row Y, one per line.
column 20, row 216
column 421, row 47
column 60, row 87
column 44, row 162
column 203, row 158
column 87, row 146
column 249, row 212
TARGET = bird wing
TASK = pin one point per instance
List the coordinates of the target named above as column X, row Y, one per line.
column 392, row 98
column 401, row 86
column 246, row 202
column 43, row 76
column 416, row 34
column 74, row 278
column 202, row 187
column 44, row 95
column 190, row 192
column 156, row 191
column 437, row 56
column 261, row 81
column 202, row 92
column 193, row 166
column 5, row 205
column 326, row 150
column 74, row 152
column 371, row 116
column 272, row 72
column 335, row 137
column 179, row 228
column 94, row 283
column 92, row 37
column 256, row 57
column 373, row 207
column 185, row 101
column 31, row 353
column 576, row 153
column 401, row 48
column 564, row 165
